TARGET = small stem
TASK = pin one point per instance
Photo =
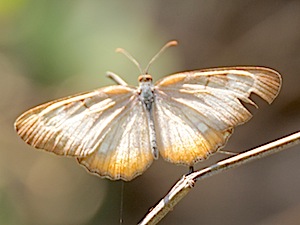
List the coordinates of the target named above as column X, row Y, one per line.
column 185, row 184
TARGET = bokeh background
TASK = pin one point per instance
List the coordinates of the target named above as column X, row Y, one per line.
column 51, row 49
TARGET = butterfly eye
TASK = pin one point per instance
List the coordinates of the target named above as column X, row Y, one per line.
column 145, row 78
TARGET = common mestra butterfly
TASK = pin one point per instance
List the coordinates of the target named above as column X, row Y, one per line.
column 117, row 131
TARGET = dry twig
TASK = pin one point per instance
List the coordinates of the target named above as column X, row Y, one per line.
column 185, row 184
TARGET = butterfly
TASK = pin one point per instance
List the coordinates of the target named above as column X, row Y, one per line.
column 117, row 131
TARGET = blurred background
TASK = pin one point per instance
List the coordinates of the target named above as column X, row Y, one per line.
column 51, row 49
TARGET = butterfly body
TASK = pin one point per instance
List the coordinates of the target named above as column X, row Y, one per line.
column 147, row 97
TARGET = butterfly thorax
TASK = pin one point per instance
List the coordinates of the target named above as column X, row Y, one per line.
column 146, row 90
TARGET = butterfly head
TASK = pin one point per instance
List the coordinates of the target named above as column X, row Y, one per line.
column 145, row 78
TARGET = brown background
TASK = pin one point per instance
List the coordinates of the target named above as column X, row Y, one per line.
column 50, row 49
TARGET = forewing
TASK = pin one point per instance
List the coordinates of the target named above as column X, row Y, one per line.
column 73, row 125
column 196, row 111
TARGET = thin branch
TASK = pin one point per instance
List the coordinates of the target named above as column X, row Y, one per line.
column 186, row 183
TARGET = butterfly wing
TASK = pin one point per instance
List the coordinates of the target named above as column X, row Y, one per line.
column 103, row 128
column 195, row 111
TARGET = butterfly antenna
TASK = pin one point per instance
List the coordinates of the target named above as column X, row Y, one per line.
column 169, row 44
column 130, row 57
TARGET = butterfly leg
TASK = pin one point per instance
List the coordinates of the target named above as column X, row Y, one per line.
column 116, row 78
column 191, row 169
column 227, row 152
